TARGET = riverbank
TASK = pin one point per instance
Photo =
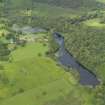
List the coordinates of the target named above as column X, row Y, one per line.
column 66, row 59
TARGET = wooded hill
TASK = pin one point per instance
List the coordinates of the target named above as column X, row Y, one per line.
column 73, row 3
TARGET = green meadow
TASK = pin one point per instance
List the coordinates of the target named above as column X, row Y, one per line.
column 102, row 1
column 94, row 23
column 40, row 78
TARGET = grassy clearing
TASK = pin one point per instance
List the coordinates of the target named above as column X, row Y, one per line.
column 102, row 1
column 52, row 11
column 36, row 72
column 39, row 96
column 45, row 10
column 94, row 23
column 39, row 78
column 29, row 51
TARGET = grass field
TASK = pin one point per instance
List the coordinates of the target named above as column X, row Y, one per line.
column 45, row 10
column 38, row 77
column 42, row 94
column 94, row 23
column 29, row 51
column 102, row 1
column 53, row 11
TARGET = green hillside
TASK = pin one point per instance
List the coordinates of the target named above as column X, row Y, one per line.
column 93, row 4
column 71, row 3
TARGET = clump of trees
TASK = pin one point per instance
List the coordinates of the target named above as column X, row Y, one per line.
column 4, row 51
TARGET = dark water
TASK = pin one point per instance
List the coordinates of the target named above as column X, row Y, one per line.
column 66, row 59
